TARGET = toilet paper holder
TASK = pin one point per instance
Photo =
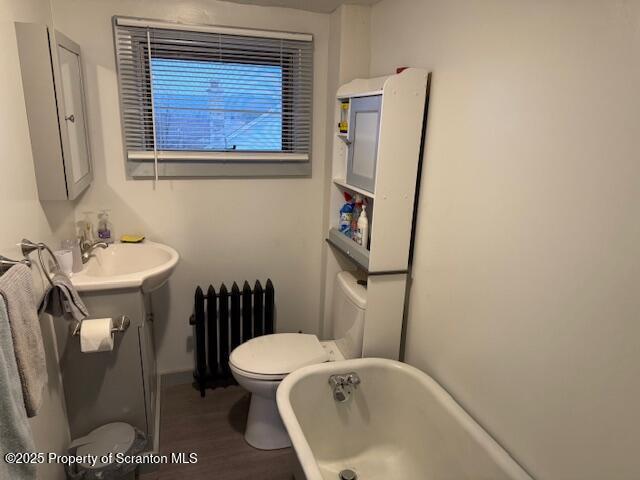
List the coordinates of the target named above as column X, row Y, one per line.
column 120, row 325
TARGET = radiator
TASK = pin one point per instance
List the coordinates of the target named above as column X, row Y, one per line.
column 224, row 320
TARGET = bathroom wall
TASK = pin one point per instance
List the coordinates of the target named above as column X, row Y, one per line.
column 525, row 298
column 22, row 215
column 224, row 229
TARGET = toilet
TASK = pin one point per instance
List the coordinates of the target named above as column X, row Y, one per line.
column 260, row 364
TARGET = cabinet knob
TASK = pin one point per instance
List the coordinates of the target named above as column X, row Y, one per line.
column 70, row 118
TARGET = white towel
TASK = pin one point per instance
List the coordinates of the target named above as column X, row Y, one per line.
column 16, row 286
column 15, row 432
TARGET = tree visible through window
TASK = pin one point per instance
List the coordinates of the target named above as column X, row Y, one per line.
column 217, row 106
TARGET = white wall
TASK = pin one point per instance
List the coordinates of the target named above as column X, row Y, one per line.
column 525, row 301
column 225, row 230
column 22, row 215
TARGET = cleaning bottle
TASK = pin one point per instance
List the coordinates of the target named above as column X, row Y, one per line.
column 346, row 215
column 363, row 228
column 105, row 229
column 357, row 208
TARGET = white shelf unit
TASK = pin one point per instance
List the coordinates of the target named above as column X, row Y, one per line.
column 386, row 262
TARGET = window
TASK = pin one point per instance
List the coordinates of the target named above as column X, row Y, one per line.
column 217, row 106
column 213, row 101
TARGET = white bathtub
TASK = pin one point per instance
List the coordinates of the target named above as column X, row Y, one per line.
column 398, row 424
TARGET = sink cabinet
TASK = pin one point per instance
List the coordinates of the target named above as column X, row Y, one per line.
column 120, row 385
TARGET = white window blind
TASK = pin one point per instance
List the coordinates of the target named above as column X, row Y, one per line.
column 205, row 100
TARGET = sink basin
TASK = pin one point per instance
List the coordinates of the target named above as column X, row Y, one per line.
column 146, row 265
column 398, row 423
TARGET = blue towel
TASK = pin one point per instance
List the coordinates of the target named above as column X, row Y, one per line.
column 15, row 432
column 16, row 286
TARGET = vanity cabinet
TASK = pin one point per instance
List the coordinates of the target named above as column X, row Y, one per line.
column 51, row 67
column 115, row 386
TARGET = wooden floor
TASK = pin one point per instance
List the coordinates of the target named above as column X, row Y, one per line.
column 213, row 427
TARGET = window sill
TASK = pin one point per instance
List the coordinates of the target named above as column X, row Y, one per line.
column 230, row 166
column 231, row 156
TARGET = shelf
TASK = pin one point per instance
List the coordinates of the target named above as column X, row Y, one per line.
column 341, row 182
column 356, row 253
column 344, row 137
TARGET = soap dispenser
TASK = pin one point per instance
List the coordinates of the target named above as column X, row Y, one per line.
column 105, row 228
column 86, row 229
column 362, row 237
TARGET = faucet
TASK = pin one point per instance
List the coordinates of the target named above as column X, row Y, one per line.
column 343, row 385
column 87, row 248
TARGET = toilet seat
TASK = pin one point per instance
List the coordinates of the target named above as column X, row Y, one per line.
column 257, row 376
column 273, row 357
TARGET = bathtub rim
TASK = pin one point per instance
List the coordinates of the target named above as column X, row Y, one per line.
column 303, row 450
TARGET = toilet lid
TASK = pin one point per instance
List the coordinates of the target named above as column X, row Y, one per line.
column 278, row 354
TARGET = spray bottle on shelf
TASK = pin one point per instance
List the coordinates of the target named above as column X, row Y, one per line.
column 357, row 208
column 362, row 236
column 346, row 215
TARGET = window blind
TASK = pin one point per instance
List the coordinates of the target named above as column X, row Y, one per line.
column 200, row 94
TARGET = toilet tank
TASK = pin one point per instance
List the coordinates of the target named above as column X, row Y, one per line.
column 349, row 305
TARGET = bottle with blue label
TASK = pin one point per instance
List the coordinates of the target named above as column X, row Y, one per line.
column 346, row 215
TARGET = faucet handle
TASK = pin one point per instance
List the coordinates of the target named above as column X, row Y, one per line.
column 336, row 381
column 352, row 379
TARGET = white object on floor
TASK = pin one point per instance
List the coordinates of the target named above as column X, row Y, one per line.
column 260, row 364
column 103, row 443
column 112, row 438
column 95, row 335
column 397, row 423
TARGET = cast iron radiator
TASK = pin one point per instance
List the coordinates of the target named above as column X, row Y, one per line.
column 224, row 320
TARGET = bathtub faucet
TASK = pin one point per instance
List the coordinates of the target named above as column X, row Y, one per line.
column 343, row 385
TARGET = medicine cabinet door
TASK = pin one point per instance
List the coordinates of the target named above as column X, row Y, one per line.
column 364, row 129
column 72, row 116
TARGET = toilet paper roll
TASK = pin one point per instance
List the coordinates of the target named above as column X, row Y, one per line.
column 95, row 335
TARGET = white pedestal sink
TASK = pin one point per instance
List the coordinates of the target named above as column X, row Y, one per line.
column 127, row 265
column 120, row 385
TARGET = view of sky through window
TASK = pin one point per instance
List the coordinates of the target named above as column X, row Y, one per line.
column 217, row 106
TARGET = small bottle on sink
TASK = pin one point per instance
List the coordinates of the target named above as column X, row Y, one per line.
column 105, row 228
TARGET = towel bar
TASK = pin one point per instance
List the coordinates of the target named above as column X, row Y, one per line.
column 120, row 325
column 28, row 246
column 7, row 263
